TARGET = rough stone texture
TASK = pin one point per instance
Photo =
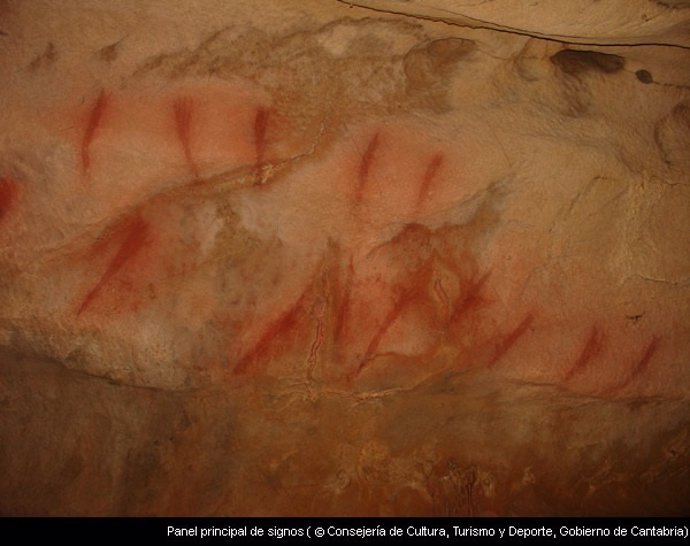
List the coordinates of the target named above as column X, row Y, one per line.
column 345, row 258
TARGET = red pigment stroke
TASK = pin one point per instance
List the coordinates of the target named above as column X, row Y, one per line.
column 429, row 177
column 508, row 341
column 279, row 328
column 641, row 364
column 470, row 299
column 92, row 125
column 8, row 196
column 408, row 296
column 135, row 238
column 182, row 110
column 260, row 126
column 390, row 319
column 365, row 166
column 592, row 349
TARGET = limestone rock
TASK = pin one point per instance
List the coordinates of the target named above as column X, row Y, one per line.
column 345, row 258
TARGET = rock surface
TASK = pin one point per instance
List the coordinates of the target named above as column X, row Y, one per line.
column 345, row 258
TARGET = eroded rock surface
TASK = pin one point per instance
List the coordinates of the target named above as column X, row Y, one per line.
column 364, row 258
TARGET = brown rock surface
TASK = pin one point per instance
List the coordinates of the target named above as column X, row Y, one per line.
column 345, row 258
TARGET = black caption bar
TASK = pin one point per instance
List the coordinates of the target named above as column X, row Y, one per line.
column 329, row 530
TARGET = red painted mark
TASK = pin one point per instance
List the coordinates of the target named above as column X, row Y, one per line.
column 135, row 238
column 591, row 350
column 508, row 341
column 403, row 301
column 183, row 109
column 408, row 296
column 470, row 299
column 365, row 167
column 641, row 365
column 260, row 125
column 279, row 328
column 429, row 177
column 8, row 196
column 92, row 125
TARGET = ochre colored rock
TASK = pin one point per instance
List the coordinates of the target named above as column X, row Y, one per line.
column 344, row 258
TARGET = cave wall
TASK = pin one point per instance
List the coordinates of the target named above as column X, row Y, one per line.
column 344, row 258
